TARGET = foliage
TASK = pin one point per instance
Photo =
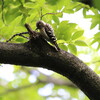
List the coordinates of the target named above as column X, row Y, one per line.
column 70, row 37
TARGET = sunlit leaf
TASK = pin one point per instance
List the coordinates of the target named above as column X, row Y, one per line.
column 80, row 43
column 61, row 41
column 95, row 11
column 78, row 8
column 85, row 11
column 97, row 35
column 70, row 11
column 55, row 19
column 29, row 5
column 62, row 28
column 98, row 46
column 58, row 4
column 72, row 48
column 93, row 24
column 22, row 1
column 16, row 21
column 64, row 47
column 1, row 23
column 11, row 14
column 77, row 34
column 65, row 30
column 95, row 20
column 20, row 29
column 95, row 40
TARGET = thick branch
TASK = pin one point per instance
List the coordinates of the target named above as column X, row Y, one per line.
column 37, row 52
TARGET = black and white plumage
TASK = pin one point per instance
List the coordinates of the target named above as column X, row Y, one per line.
column 47, row 33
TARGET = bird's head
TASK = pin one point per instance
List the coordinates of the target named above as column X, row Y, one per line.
column 40, row 24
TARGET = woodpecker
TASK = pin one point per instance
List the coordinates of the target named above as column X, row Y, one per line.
column 47, row 33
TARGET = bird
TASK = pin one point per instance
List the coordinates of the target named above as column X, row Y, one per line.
column 47, row 33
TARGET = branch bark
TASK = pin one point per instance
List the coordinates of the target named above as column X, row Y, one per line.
column 37, row 52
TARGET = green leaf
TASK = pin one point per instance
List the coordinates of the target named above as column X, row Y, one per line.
column 64, row 47
column 95, row 20
column 56, row 19
column 96, row 4
column 72, row 48
column 61, row 41
column 97, row 35
column 62, row 26
column 19, row 29
column 7, row 30
column 94, row 23
column 95, row 11
column 11, row 14
column 77, row 34
column 78, row 7
column 19, row 39
column 32, row 17
column 95, row 40
column 1, row 23
column 98, row 46
column 22, row 1
column 69, row 11
column 84, row 12
column 16, row 21
column 65, row 30
column 80, row 43
column 29, row 5
column 52, row 2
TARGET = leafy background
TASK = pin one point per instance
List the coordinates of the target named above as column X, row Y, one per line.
column 22, row 83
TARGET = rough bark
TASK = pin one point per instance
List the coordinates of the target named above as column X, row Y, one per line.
column 38, row 53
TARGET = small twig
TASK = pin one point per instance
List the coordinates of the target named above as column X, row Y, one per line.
column 30, row 32
column 41, row 13
column 50, row 14
column 2, row 7
column 19, row 34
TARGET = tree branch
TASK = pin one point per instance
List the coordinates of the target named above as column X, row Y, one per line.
column 48, row 79
column 37, row 52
